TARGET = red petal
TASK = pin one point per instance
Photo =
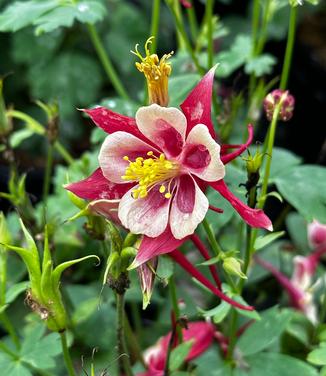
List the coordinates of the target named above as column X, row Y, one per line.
column 97, row 187
column 240, row 148
column 112, row 122
column 197, row 106
column 151, row 247
column 254, row 217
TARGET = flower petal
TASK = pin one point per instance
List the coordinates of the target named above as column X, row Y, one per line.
column 112, row 122
column 96, row 187
column 226, row 158
column 188, row 209
column 106, row 208
column 148, row 216
column 202, row 155
column 197, row 106
column 165, row 127
column 151, row 247
column 254, row 217
column 114, row 148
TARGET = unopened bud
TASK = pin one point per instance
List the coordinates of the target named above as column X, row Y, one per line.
column 281, row 99
column 232, row 266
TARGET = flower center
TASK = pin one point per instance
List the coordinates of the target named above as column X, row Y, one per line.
column 150, row 172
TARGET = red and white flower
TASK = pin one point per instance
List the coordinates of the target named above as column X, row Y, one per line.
column 200, row 332
column 154, row 170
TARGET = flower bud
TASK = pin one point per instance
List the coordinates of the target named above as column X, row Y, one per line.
column 316, row 233
column 279, row 99
column 232, row 266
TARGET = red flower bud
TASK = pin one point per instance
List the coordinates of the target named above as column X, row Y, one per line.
column 280, row 98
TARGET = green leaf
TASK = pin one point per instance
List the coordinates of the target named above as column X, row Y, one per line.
column 263, row 241
column 85, row 310
column 282, row 161
column 15, row 290
column 180, row 86
column 38, row 350
column 65, row 15
column 218, row 313
column 263, row 333
column 273, row 364
column 13, row 367
column 318, row 356
column 179, row 354
column 19, row 136
column 235, row 57
column 23, row 13
column 304, row 187
column 61, row 79
column 260, row 65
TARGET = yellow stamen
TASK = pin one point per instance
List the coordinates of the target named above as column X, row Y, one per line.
column 150, row 172
column 156, row 72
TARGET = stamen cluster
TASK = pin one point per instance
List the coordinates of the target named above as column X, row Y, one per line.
column 149, row 172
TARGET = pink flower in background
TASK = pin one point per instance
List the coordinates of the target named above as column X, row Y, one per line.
column 154, row 169
column 186, row 4
column 300, row 287
column 202, row 335
column 316, row 233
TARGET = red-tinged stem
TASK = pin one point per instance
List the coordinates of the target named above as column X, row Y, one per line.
column 317, row 253
column 294, row 294
column 185, row 264
column 217, row 210
column 229, row 157
column 202, row 249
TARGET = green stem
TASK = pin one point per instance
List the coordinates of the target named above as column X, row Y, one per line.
column 209, row 22
column 66, row 355
column 177, row 11
column 259, row 45
column 38, row 128
column 211, row 238
column 63, row 152
column 155, row 23
column 182, row 31
column 192, row 22
column 133, row 342
column 175, row 306
column 47, row 177
column 106, row 62
column 232, row 334
column 270, row 144
column 122, row 347
column 289, row 48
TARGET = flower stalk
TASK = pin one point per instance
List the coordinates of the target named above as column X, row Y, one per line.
column 289, row 48
column 66, row 354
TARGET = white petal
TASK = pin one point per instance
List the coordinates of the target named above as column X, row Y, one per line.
column 215, row 169
column 147, row 216
column 184, row 222
column 114, row 148
column 165, row 127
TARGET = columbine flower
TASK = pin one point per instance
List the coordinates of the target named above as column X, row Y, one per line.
column 202, row 335
column 316, row 233
column 300, row 287
column 158, row 165
column 156, row 72
column 284, row 100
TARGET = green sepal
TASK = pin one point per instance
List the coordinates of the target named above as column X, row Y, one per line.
column 115, row 237
column 56, row 274
column 113, row 259
column 130, row 240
